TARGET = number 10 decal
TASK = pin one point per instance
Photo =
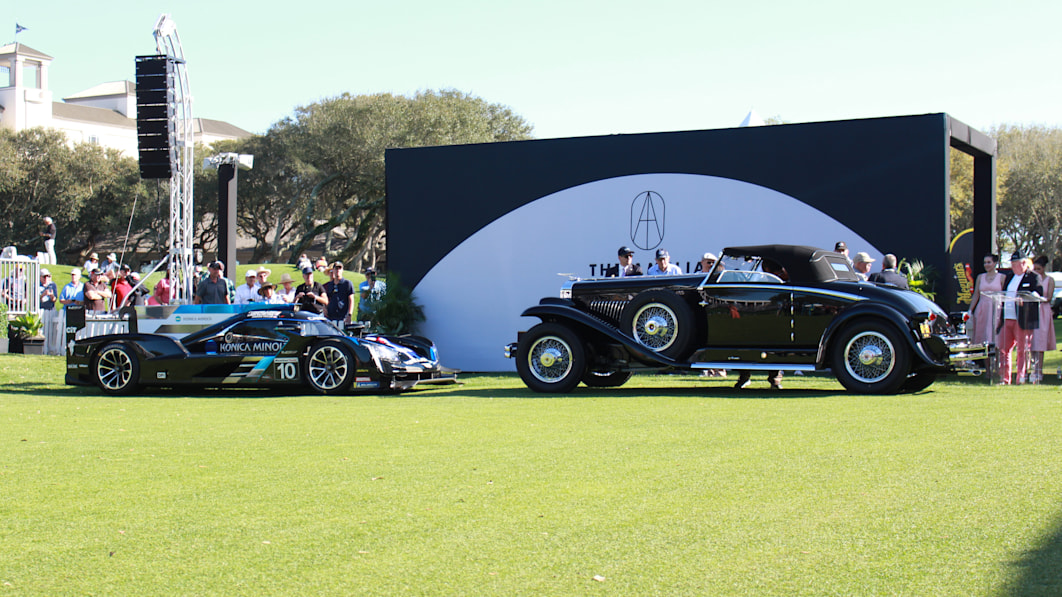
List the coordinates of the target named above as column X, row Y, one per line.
column 286, row 369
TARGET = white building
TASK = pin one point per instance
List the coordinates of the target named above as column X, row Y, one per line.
column 104, row 115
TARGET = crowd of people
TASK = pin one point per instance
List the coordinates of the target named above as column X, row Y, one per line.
column 112, row 285
column 333, row 299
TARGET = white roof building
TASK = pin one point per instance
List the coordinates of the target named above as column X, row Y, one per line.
column 104, row 115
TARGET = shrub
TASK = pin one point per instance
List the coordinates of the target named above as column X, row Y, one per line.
column 396, row 311
column 27, row 325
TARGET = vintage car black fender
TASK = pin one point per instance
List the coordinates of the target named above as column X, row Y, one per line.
column 552, row 309
column 879, row 312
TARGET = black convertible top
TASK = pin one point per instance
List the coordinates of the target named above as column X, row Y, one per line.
column 803, row 263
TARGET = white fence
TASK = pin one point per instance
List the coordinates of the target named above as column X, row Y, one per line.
column 20, row 285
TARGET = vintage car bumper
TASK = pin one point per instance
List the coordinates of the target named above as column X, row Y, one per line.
column 966, row 357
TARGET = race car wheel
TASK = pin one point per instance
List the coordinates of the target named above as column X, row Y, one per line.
column 116, row 370
column 660, row 320
column 871, row 358
column 330, row 367
column 551, row 359
column 606, row 379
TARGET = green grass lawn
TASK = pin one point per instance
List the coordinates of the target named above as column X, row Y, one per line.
column 671, row 485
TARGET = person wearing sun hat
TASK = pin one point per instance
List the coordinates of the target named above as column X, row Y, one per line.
column 263, row 274
column 92, row 262
column 287, row 288
column 268, row 294
column 110, row 263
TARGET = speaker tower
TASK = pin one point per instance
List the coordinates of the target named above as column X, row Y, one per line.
column 155, row 116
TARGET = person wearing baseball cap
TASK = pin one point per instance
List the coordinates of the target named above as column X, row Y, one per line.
column 842, row 248
column 248, row 293
column 627, row 267
column 214, row 289
column 339, row 290
column 369, row 292
column 97, row 291
column 74, row 292
column 663, row 265
column 52, row 328
column 310, row 295
column 708, row 262
column 861, row 264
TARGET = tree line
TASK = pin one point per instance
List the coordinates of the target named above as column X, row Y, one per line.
column 1028, row 190
column 319, row 176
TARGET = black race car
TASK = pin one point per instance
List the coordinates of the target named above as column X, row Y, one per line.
column 761, row 308
column 271, row 347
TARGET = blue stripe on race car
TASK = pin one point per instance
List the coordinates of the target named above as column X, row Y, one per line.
column 260, row 369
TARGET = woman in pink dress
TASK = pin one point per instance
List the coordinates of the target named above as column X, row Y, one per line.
column 982, row 324
column 1044, row 336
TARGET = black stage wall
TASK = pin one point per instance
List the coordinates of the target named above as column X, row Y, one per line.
column 481, row 231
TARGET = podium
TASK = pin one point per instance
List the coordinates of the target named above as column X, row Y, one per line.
column 1017, row 306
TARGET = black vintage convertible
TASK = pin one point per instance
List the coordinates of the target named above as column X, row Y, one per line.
column 272, row 347
column 761, row 308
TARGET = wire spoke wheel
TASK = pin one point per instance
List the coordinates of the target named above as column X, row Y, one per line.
column 656, row 326
column 549, row 359
column 869, row 357
column 662, row 321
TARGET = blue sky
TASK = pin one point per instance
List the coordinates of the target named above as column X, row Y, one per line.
column 574, row 68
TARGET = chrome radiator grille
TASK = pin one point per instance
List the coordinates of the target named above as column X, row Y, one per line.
column 609, row 310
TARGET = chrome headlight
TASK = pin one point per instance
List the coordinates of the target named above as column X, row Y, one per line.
column 566, row 290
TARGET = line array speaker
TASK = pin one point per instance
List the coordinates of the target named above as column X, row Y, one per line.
column 155, row 116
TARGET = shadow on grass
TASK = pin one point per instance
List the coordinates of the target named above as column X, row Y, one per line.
column 1040, row 570
column 689, row 391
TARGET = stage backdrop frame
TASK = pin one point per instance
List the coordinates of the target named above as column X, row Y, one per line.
column 480, row 231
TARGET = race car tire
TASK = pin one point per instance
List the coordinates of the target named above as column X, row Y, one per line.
column 116, row 369
column 607, row 379
column 660, row 320
column 330, row 367
column 870, row 357
column 551, row 359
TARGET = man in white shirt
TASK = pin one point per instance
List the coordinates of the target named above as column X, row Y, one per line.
column 861, row 264
column 248, row 293
column 663, row 265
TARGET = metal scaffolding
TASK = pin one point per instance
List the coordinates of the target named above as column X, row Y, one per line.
column 182, row 222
